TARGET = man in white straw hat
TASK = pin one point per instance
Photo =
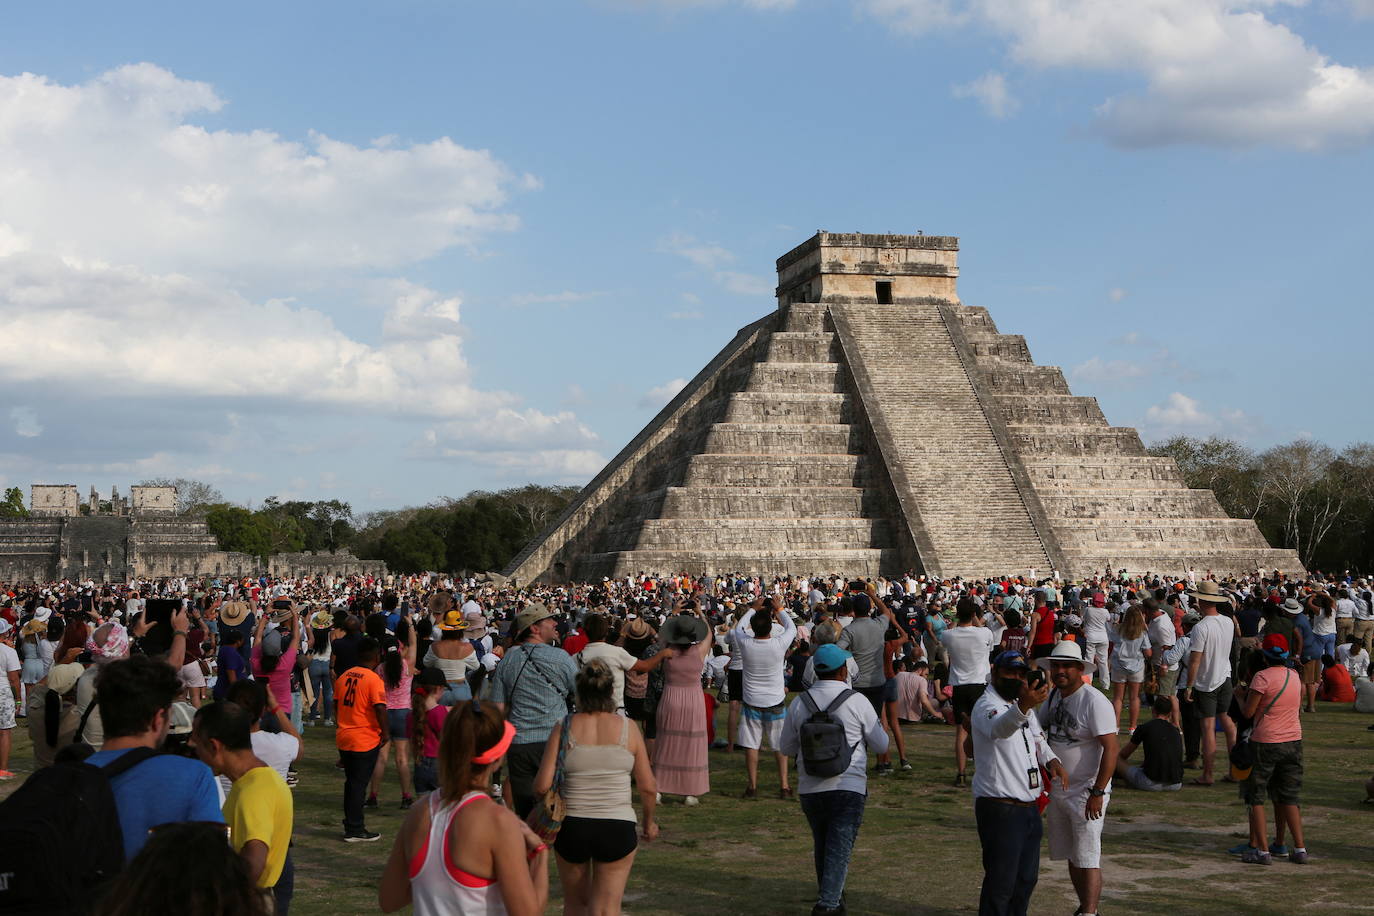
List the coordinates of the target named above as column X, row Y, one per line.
column 1209, row 671
column 1080, row 725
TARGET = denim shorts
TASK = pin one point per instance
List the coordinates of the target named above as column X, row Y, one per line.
column 398, row 720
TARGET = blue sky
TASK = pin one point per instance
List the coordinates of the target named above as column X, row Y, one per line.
column 390, row 252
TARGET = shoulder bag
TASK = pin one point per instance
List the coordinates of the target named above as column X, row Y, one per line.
column 546, row 817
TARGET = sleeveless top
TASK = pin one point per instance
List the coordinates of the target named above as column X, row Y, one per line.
column 440, row 888
column 1044, row 631
column 596, row 778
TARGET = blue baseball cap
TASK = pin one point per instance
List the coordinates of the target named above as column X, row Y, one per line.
column 830, row 658
column 1010, row 659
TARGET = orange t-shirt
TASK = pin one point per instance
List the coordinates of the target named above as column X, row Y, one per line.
column 358, row 691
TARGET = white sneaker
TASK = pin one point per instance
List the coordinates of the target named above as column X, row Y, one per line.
column 690, row 801
column 658, row 798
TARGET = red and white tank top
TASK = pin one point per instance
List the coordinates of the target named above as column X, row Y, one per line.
column 440, row 888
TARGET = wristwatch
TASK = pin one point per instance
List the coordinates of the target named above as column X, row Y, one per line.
column 1097, row 793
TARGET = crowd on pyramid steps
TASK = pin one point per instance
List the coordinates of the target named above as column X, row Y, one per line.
column 166, row 717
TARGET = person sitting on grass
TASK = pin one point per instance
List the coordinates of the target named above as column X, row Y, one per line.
column 1336, row 685
column 461, row 853
column 1162, row 768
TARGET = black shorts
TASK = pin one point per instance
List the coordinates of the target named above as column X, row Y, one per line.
column 734, row 684
column 595, row 838
column 874, row 696
column 965, row 697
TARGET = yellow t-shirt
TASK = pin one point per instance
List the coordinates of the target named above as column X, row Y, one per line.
column 259, row 807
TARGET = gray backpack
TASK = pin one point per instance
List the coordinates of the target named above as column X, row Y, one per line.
column 823, row 747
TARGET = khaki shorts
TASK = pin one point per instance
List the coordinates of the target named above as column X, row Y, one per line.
column 1312, row 671
column 1168, row 683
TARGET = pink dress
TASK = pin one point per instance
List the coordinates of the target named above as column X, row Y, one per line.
column 680, row 750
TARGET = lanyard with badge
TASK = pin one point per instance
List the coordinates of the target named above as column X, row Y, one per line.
column 1032, row 772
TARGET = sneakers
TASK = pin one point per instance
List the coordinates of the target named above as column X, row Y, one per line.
column 960, row 780
column 690, row 801
column 371, row 802
column 1298, row 857
column 905, row 767
column 1240, row 849
column 362, row 836
column 6, row 774
column 1257, row 857
column 406, row 802
column 1278, row 851
column 292, row 780
column 883, row 769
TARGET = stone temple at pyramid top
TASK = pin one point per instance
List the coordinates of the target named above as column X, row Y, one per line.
column 872, row 424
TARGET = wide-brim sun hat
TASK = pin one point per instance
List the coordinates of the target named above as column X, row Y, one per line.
column 1066, row 650
column 684, row 630
column 533, row 613
column 453, row 622
column 1210, row 592
column 233, row 613
column 638, row 628
column 476, row 624
column 1292, row 606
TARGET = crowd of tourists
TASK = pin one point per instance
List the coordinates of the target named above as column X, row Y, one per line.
column 521, row 723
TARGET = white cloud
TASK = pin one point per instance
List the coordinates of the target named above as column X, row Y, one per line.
column 543, row 446
column 156, row 189
column 1216, row 72
column 26, row 422
column 1116, row 294
column 660, row 395
column 990, row 90
column 1099, row 371
column 171, row 336
column 1178, row 410
column 764, row 5
column 714, row 260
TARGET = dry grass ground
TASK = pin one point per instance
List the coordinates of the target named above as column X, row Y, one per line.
column 918, row 851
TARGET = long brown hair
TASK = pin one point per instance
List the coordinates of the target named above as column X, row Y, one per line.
column 1133, row 624
column 468, row 731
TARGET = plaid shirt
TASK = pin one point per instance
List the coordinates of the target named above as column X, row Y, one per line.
column 535, row 682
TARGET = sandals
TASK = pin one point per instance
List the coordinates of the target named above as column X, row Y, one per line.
column 1199, row 782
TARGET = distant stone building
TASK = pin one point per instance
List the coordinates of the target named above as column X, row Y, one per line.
column 140, row 535
column 874, row 424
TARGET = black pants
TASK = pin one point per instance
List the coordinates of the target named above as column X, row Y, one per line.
column 522, row 764
column 1010, row 835
column 1192, row 727
column 358, row 766
column 285, row 888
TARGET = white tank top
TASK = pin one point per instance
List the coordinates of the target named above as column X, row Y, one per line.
column 440, row 888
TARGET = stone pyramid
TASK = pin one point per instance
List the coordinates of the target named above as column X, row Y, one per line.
column 873, row 424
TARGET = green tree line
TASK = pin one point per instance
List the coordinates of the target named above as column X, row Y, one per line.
column 481, row 531
column 1303, row 494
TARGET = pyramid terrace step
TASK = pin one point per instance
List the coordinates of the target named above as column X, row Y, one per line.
column 776, row 470
column 796, row 377
column 806, row 316
column 803, row 347
column 853, row 563
column 1221, row 561
column 766, row 502
column 740, row 534
column 789, row 407
column 1076, row 440
column 1133, row 504
column 1049, row 409
column 789, row 438
column 1025, row 379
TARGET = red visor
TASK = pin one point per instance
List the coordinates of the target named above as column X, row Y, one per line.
column 493, row 753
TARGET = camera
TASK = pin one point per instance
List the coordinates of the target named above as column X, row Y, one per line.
column 1035, row 679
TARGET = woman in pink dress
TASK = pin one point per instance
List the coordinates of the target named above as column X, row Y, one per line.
column 680, row 751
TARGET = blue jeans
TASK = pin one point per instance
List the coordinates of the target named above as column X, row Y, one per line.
column 426, row 773
column 1010, row 835
column 834, row 818
column 1327, row 641
column 457, row 692
column 285, row 888
column 323, row 685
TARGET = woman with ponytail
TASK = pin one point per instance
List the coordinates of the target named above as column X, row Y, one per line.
column 461, row 853
column 397, row 669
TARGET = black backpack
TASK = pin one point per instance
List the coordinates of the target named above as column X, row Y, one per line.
column 823, row 748
column 60, row 842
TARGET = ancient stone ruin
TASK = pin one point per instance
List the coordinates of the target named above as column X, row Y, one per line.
column 874, row 424
column 140, row 535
